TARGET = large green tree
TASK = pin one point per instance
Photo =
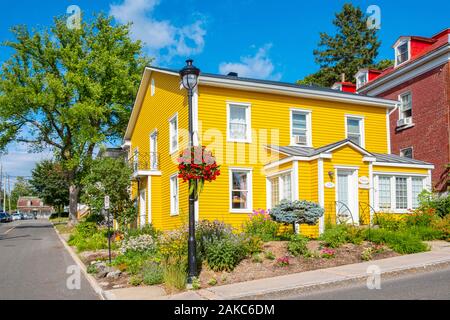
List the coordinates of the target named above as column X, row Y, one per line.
column 354, row 46
column 22, row 188
column 70, row 90
column 49, row 180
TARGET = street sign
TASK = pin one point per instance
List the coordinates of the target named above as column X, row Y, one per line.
column 107, row 202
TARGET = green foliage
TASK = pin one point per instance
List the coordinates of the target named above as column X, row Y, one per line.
column 152, row 274
column 69, row 89
column 50, row 182
column 403, row 242
column 22, row 188
column 107, row 176
column 269, row 255
column 337, row 235
column 290, row 212
column 224, row 254
column 256, row 258
column 298, row 245
column 92, row 269
column 389, row 222
column 354, row 46
column 207, row 231
column 97, row 241
column 366, row 254
column 261, row 225
column 148, row 229
column 212, row 281
column 175, row 275
column 439, row 203
column 196, row 285
column 251, row 244
column 135, row 280
column 132, row 261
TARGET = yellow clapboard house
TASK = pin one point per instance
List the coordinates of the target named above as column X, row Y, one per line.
column 273, row 141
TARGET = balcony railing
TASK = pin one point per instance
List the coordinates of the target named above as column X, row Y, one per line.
column 144, row 161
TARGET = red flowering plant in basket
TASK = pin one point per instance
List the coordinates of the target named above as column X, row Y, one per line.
column 197, row 164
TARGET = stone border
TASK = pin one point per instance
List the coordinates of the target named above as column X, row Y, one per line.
column 100, row 292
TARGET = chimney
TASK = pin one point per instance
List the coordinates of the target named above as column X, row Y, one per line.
column 232, row 74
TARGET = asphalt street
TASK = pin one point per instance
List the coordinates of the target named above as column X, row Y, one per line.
column 433, row 285
column 34, row 264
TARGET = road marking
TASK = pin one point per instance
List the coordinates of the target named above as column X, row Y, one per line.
column 8, row 231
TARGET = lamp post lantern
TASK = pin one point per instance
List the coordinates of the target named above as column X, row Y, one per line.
column 189, row 78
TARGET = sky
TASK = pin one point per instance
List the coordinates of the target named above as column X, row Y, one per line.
column 256, row 38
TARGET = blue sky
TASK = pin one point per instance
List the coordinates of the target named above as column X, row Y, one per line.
column 257, row 38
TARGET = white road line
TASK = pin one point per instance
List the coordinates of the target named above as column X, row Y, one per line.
column 8, row 231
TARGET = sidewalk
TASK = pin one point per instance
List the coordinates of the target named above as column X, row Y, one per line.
column 282, row 286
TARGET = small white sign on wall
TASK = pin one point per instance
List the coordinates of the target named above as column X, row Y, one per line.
column 364, row 180
column 329, row 185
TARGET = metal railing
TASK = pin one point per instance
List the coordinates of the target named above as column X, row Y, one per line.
column 144, row 161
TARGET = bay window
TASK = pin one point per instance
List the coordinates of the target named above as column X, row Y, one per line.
column 280, row 188
column 397, row 193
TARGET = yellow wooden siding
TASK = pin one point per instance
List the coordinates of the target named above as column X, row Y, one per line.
column 155, row 113
column 399, row 170
column 308, row 190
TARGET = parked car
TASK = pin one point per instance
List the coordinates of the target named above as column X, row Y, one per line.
column 4, row 217
column 16, row 216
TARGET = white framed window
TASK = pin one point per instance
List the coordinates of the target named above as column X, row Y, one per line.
column 241, row 192
column 239, row 127
column 301, row 133
column 407, row 152
column 173, row 134
column 405, row 110
column 152, row 87
column 361, row 79
column 354, row 129
column 280, row 188
column 402, row 52
column 174, row 195
column 397, row 193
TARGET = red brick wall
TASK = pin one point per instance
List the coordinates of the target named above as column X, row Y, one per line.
column 429, row 136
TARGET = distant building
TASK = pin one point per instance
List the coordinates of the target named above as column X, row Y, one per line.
column 35, row 206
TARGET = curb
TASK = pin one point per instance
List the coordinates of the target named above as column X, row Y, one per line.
column 98, row 290
column 359, row 279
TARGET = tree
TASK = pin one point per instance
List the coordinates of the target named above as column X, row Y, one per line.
column 50, row 183
column 108, row 176
column 70, row 90
column 22, row 188
column 354, row 46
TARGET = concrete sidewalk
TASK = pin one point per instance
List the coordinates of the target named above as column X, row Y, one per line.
column 282, row 286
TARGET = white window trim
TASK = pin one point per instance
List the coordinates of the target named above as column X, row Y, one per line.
column 361, row 127
column 248, row 116
column 250, row 189
column 171, row 151
column 412, row 151
column 278, row 176
column 392, row 177
column 400, row 112
column 358, row 75
column 396, row 52
column 174, row 212
column 308, row 126
column 152, row 87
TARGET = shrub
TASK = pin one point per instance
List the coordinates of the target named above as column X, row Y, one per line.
column 443, row 225
column 403, row 242
column 366, row 254
column 174, row 274
column 139, row 243
column 389, row 222
column 131, row 261
column 260, row 224
column 421, row 218
column 207, row 231
column 87, row 240
column 224, row 254
column 251, row 244
column 269, row 255
column 173, row 245
column 196, row 284
column 426, row 233
column 334, row 235
column 297, row 245
column 328, row 253
column 86, row 229
column 152, row 273
column 212, row 281
column 95, row 218
column 148, row 229
column 256, row 258
column 439, row 203
column 291, row 212
column 135, row 280
column 282, row 262
column 92, row 268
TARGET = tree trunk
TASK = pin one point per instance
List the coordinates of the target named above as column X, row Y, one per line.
column 73, row 202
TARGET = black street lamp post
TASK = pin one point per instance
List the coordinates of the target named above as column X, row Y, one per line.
column 189, row 78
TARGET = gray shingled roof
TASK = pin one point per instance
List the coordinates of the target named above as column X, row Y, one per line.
column 298, row 151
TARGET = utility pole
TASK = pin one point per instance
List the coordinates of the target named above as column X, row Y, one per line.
column 4, row 193
column 9, row 192
column 1, row 184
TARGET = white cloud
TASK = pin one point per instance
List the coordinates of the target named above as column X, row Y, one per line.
column 160, row 35
column 259, row 66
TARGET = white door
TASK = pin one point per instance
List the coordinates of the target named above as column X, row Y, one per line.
column 142, row 208
column 347, row 196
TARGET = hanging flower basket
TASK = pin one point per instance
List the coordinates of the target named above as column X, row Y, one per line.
column 197, row 164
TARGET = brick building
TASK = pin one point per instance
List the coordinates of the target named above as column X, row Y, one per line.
column 33, row 205
column 420, row 80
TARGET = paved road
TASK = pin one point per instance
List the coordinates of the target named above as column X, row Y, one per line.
column 433, row 285
column 33, row 264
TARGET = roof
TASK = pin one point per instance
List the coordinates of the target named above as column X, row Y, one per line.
column 436, row 43
column 258, row 85
column 299, row 151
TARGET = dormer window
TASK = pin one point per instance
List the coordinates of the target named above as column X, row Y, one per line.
column 402, row 52
column 361, row 78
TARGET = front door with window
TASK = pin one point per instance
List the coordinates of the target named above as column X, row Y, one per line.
column 142, row 208
column 347, row 196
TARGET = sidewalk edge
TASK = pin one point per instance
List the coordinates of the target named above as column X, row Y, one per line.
column 98, row 290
